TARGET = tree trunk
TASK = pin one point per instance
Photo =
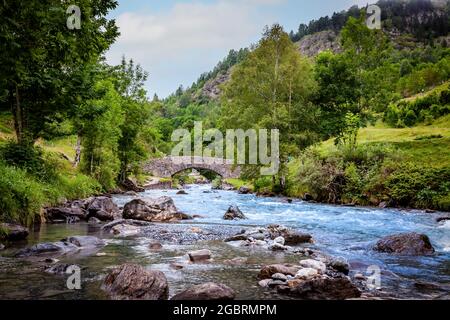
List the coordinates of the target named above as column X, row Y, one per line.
column 17, row 113
column 77, row 151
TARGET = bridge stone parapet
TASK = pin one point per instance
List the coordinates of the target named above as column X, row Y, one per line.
column 169, row 166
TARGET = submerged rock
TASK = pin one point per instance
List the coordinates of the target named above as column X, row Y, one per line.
column 234, row 213
column 69, row 245
column 208, row 291
column 58, row 269
column 93, row 221
column 108, row 227
column 157, row 210
column 125, row 230
column 133, row 282
column 13, row 232
column 412, row 244
column 182, row 192
column 85, row 241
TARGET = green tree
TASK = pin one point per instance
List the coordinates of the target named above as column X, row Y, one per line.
column 101, row 135
column 136, row 109
column 40, row 58
column 271, row 89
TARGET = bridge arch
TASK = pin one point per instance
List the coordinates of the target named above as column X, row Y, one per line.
column 169, row 166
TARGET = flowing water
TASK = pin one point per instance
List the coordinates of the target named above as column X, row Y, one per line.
column 339, row 231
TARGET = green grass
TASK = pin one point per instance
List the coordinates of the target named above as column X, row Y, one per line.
column 238, row 183
column 416, row 144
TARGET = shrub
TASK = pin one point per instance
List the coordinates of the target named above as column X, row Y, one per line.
column 420, row 186
column 28, row 158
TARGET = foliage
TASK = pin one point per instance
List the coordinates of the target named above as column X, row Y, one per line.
column 43, row 61
column 423, row 109
column 271, row 89
column 101, row 136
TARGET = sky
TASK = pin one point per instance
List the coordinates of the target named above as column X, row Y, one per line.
column 177, row 40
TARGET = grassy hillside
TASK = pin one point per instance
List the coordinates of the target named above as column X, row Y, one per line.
column 423, row 144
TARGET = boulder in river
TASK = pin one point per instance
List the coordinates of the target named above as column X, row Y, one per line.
column 208, row 291
column 307, row 197
column 67, row 214
column 154, row 210
column 102, row 208
column 443, row 219
column 290, row 236
column 234, row 213
column 340, row 288
column 244, row 190
column 411, row 244
column 182, row 192
column 13, row 232
column 2, row 247
column 314, row 264
column 130, row 185
column 133, row 282
column 200, row 255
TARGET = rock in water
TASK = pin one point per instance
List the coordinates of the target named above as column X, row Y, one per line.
column 158, row 210
column 234, row 213
column 307, row 197
column 85, row 241
column 125, row 230
column 102, row 208
column 182, row 192
column 268, row 271
column 69, row 245
column 244, row 190
column 291, row 237
column 208, row 291
column 65, row 213
column 130, row 185
column 2, row 247
column 306, row 273
column 411, row 244
column 155, row 246
column 326, row 289
column 94, row 221
column 133, row 282
column 314, row 264
column 200, row 255
column 13, row 232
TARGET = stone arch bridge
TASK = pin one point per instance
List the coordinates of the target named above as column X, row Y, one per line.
column 169, row 166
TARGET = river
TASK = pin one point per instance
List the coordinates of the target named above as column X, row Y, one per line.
column 347, row 232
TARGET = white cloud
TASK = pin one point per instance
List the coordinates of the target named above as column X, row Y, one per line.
column 189, row 34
